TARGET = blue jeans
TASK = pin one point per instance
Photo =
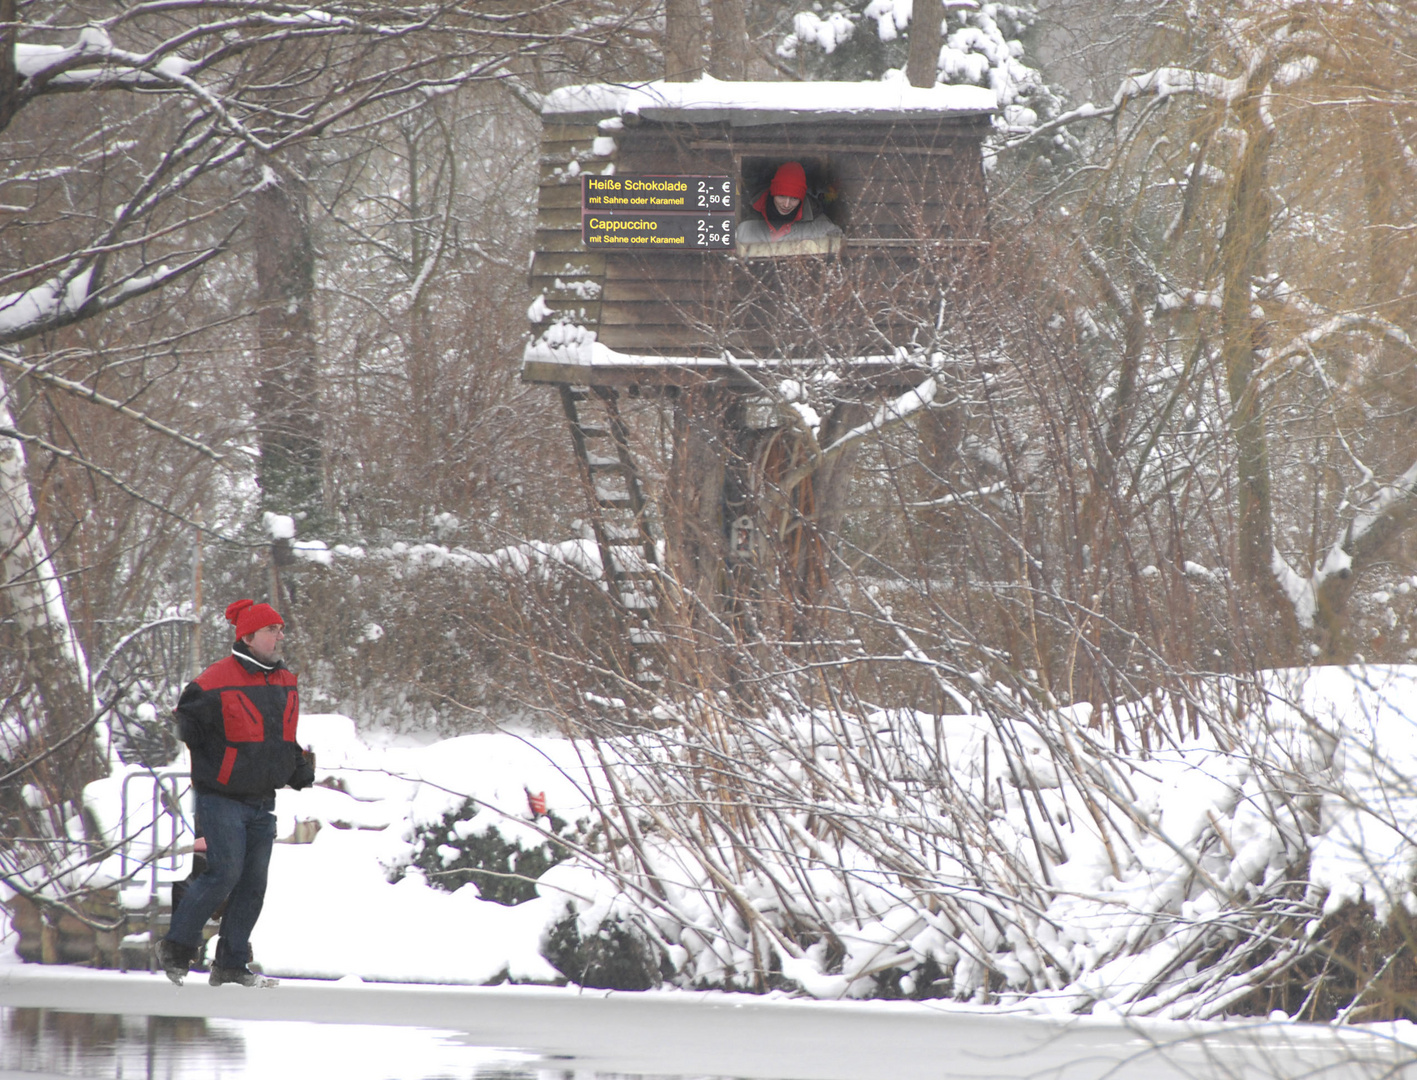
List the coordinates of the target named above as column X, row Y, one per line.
column 239, row 838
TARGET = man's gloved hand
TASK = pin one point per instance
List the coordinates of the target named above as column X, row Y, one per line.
column 304, row 774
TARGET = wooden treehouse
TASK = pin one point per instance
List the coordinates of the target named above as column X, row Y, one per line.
column 635, row 295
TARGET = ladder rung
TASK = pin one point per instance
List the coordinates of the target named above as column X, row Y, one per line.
column 589, row 431
column 618, row 502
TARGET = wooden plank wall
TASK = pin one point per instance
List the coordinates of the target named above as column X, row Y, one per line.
column 569, row 278
column 909, row 195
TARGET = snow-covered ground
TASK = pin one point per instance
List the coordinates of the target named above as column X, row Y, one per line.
column 331, row 910
column 1199, row 811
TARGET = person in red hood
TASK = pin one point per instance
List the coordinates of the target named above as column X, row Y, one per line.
column 786, row 211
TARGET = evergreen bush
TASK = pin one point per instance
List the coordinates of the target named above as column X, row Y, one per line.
column 503, row 870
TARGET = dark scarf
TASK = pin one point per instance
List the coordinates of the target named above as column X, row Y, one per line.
column 776, row 220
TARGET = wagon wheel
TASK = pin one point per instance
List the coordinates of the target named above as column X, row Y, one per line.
column 141, row 681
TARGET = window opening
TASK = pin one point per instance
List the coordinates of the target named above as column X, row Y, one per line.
column 769, row 229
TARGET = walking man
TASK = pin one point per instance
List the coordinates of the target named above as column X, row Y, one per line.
column 238, row 720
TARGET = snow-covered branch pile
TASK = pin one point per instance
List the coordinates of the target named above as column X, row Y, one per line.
column 1006, row 854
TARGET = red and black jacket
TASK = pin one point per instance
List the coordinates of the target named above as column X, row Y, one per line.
column 239, row 719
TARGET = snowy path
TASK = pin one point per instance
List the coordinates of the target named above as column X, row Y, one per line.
column 746, row 1036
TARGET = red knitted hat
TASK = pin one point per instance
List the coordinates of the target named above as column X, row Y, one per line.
column 248, row 617
column 790, row 180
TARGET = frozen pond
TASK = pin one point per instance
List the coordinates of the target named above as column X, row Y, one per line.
column 53, row 1043
column 74, row 1022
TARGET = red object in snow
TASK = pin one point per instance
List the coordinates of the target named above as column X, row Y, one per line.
column 536, row 802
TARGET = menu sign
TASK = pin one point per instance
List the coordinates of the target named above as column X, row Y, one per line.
column 660, row 232
column 658, row 213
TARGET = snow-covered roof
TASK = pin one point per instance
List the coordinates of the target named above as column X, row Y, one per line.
column 745, row 104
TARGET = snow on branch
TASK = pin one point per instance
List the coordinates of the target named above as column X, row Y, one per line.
column 1381, row 506
column 1301, row 344
column 1281, row 59
column 62, row 299
column 887, row 415
column 909, row 403
column 1166, row 81
column 182, row 61
column 1087, row 111
column 88, row 61
column 1364, row 531
column 74, row 295
column 950, row 500
column 1301, row 592
column 88, row 393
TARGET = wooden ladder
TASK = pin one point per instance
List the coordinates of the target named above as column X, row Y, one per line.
column 619, row 519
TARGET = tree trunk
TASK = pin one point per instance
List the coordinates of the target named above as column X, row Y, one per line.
column 700, row 465
column 1247, row 228
column 422, row 349
column 683, row 40
column 695, row 536
column 46, row 661
column 1380, row 155
column 287, row 409
column 922, row 64
column 728, row 43
column 1376, row 531
column 9, row 76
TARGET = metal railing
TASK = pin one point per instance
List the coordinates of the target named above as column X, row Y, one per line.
column 164, row 812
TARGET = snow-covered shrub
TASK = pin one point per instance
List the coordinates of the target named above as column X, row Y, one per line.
column 1011, row 853
column 424, row 636
column 617, row 955
column 500, row 856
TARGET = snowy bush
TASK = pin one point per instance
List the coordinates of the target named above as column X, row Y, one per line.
column 1011, row 854
column 617, row 955
column 499, row 856
column 364, row 641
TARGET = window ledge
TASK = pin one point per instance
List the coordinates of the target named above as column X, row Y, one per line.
column 815, row 245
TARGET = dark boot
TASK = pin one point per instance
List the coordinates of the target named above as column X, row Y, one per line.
column 175, row 958
column 242, row 976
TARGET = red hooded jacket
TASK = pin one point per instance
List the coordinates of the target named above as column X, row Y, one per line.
column 790, row 180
